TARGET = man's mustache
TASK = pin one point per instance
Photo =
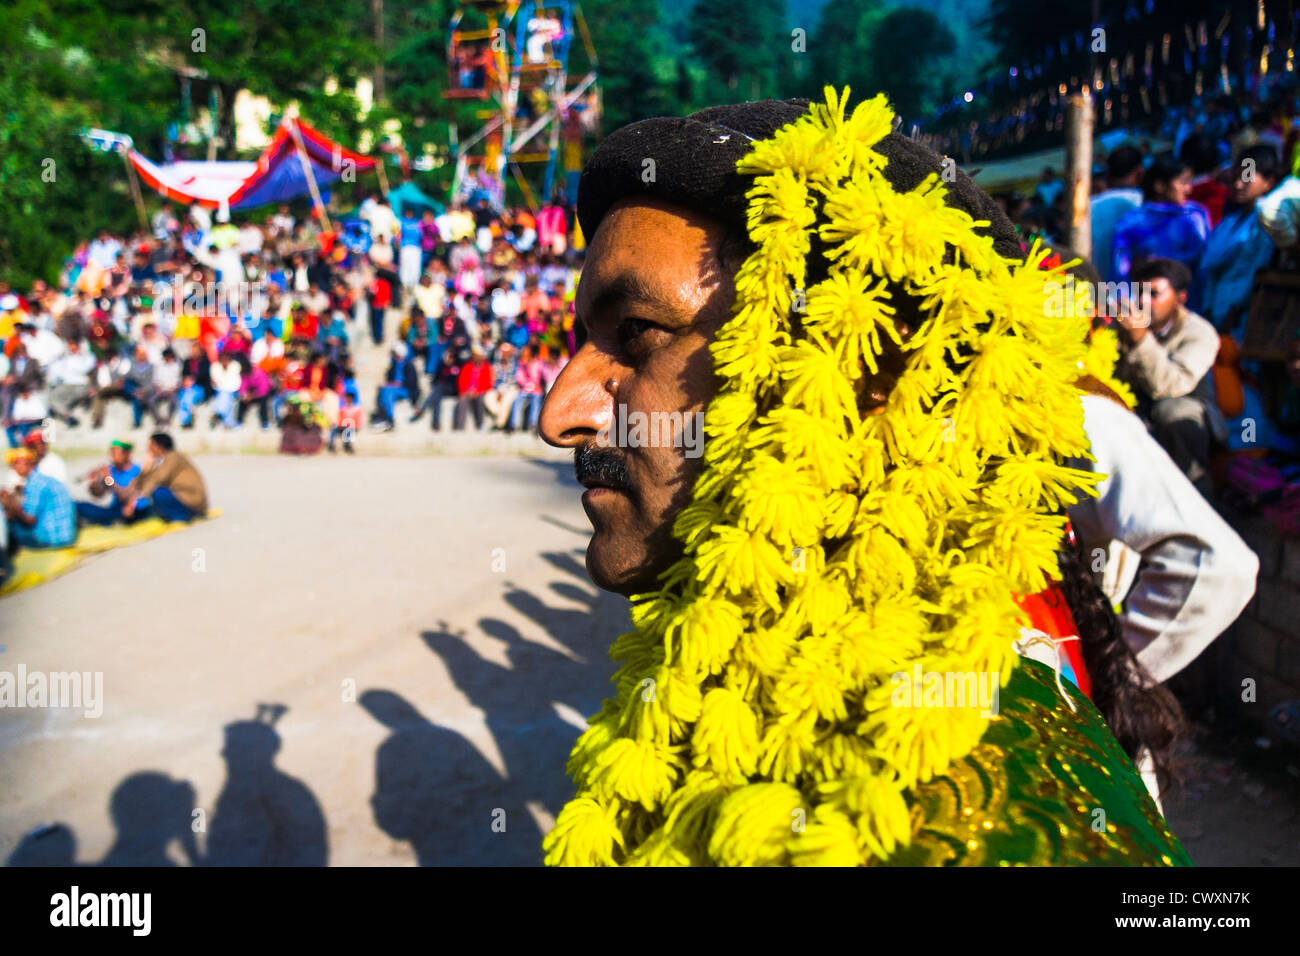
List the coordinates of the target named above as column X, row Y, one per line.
column 602, row 465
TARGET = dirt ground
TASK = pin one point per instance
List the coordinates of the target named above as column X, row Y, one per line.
column 371, row 660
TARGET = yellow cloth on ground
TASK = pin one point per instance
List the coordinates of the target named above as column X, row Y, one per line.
column 33, row 566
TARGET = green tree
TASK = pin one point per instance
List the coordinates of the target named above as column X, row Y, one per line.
column 908, row 52
column 742, row 48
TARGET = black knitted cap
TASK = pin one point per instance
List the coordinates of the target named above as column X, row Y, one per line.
column 695, row 166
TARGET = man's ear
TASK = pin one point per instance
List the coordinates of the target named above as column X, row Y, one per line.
column 1182, row 297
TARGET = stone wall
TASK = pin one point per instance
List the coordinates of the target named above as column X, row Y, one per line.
column 1264, row 642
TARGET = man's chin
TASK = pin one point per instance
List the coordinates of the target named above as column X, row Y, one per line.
column 613, row 569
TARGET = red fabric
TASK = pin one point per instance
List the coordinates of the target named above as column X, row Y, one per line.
column 475, row 379
column 1211, row 194
column 1049, row 613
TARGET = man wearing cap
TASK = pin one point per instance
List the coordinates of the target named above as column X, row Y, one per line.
column 42, row 515
column 48, row 463
column 113, row 479
column 170, row 482
column 888, row 414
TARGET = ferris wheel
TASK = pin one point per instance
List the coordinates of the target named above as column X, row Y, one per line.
column 532, row 66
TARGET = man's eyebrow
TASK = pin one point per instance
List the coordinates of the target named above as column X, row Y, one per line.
column 628, row 287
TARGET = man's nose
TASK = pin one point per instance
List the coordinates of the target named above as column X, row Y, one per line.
column 579, row 405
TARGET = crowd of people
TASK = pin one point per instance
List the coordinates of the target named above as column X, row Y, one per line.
column 1179, row 238
column 204, row 321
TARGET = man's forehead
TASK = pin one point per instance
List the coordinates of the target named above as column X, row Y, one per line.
column 650, row 248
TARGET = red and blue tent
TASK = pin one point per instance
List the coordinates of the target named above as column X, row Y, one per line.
column 276, row 176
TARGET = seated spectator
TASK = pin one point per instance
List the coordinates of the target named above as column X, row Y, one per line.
column 114, row 480
column 501, row 399
column 170, row 482
column 166, row 388
column 1123, row 173
column 109, row 382
column 268, row 348
column 42, row 515
column 70, row 382
column 444, row 383
column 1279, row 213
column 474, row 382
column 1238, row 247
column 1167, row 354
column 226, row 383
column 48, row 463
column 27, row 412
column 349, row 422
column 255, row 390
column 401, row 382
column 1165, row 225
column 528, row 376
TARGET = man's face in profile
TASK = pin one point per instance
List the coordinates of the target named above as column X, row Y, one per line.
column 653, row 295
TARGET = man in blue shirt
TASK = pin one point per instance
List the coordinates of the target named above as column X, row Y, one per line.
column 43, row 516
column 113, row 479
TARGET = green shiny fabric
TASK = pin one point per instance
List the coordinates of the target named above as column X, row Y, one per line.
column 1045, row 787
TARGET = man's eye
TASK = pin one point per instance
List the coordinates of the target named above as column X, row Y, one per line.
column 632, row 329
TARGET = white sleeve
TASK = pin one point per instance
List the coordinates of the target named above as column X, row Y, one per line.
column 1277, row 212
column 1196, row 574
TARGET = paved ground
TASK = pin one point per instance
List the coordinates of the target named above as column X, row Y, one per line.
column 334, row 672
column 423, row 691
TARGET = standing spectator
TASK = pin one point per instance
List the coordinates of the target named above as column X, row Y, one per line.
column 381, row 295
column 411, row 258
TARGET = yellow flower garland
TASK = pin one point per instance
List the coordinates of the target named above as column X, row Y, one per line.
column 826, row 550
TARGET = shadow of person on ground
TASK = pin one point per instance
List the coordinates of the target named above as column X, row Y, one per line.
column 519, row 701
column 263, row 816
column 434, row 790
column 53, row 844
column 150, row 810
